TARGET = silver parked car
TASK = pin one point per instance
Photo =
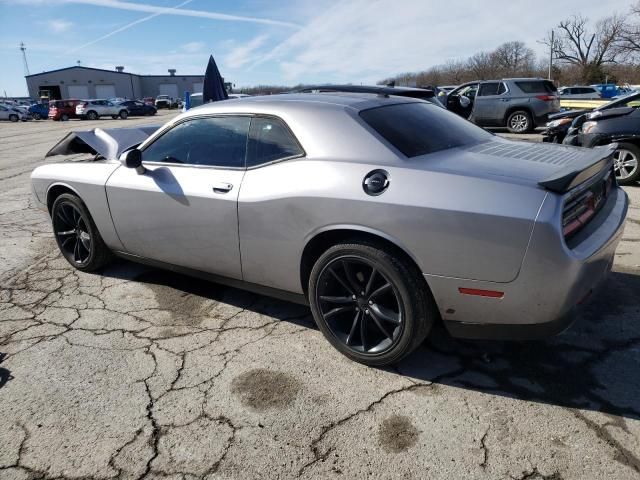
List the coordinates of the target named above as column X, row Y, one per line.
column 579, row 93
column 94, row 109
column 385, row 214
column 13, row 113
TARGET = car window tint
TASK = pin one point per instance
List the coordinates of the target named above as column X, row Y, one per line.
column 537, row 86
column 421, row 128
column 216, row 141
column 487, row 89
column 270, row 140
column 502, row 89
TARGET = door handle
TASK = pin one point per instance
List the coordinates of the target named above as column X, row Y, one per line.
column 222, row 187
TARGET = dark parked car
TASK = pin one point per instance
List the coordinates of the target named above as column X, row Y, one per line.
column 519, row 104
column 138, row 108
column 63, row 109
column 560, row 123
column 38, row 111
column 615, row 125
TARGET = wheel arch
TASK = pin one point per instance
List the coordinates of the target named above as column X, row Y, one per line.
column 57, row 189
column 515, row 108
column 321, row 240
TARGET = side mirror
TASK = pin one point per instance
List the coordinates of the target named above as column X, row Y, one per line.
column 464, row 101
column 133, row 159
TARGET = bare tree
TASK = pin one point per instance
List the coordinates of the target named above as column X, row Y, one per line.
column 483, row 65
column 629, row 40
column 590, row 50
column 514, row 58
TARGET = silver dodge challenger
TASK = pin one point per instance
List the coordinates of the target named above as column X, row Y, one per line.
column 384, row 214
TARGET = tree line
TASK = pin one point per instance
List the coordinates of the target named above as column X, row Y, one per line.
column 582, row 53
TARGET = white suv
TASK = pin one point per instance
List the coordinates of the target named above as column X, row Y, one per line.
column 94, row 109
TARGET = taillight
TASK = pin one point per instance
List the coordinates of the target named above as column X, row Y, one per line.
column 546, row 98
column 578, row 211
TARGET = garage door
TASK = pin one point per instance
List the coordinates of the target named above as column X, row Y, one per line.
column 105, row 91
column 170, row 89
column 80, row 92
column 197, row 87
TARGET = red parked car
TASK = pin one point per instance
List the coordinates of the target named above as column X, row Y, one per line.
column 63, row 109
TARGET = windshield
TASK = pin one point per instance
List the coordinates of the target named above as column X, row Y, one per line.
column 420, row 128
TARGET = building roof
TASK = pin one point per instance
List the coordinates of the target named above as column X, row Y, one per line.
column 107, row 71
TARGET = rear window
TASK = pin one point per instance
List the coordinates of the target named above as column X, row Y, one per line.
column 420, row 128
column 537, row 86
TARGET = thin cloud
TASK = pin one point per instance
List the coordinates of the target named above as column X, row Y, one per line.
column 59, row 26
column 243, row 54
column 126, row 27
column 142, row 7
column 193, row 47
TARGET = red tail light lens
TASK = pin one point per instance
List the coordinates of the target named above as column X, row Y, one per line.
column 546, row 98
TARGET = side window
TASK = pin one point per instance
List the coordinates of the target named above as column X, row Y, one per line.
column 214, row 141
column 502, row 88
column 270, row 140
column 469, row 91
column 487, row 89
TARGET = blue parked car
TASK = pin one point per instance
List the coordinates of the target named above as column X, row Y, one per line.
column 39, row 111
column 607, row 90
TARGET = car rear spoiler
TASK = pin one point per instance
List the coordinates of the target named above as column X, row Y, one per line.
column 591, row 164
column 108, row 142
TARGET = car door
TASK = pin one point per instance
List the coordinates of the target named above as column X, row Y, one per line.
column 453, row 99
column 4, row 113
column 490, row 104
column 183, row 209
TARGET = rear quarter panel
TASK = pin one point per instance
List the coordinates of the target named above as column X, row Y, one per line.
column 451, row 224
column 87, row 180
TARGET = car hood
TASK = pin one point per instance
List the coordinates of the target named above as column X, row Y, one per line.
column 611, row 113
column 108, row 142
column 555, row 167
column 568, row 114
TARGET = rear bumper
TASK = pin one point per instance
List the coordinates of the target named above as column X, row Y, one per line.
column 553, row 282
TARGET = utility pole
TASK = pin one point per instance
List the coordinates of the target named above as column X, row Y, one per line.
column 551, row 55
column 23, row 49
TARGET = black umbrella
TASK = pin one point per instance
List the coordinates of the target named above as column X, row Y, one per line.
column 213, row 89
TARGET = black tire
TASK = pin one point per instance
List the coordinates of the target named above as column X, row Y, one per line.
column 114, row 117
column 626, row 163
column 519, row 121
column 64, row 117
column 36, row 116
column 73, row 226
column 91, row 115
column 394, row 280
column 123, row 114
column 13, row 117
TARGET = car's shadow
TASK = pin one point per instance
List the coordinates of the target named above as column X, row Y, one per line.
column 594, row 365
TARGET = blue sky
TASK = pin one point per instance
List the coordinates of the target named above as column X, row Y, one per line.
column 270, row 41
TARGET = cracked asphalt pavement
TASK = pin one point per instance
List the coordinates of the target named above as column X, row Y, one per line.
column 139, row 373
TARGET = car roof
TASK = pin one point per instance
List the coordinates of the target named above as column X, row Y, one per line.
column 336, row 100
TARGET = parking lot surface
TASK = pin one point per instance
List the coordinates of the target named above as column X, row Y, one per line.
column 141, row 373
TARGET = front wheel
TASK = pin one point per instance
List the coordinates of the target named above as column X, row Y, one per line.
column 372, row 306
column 519, row 122
column 36, row 116
column 77, row 236
column 64, row 117
column 13, row 118
column 123, row 114
column 626, row 163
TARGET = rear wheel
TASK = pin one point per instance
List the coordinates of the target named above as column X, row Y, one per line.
column 64, row 117
column 371, row 306
column 519, row 122
column 626, row 163
column 77, row 236
column 13, row 117
column 123, row 114
column 36, row 116
column 92, row 115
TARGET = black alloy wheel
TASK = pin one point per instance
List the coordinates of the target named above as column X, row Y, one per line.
column 76, row 234
column 371, row 306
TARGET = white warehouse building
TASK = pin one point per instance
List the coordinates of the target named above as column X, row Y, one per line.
column 84, row 82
